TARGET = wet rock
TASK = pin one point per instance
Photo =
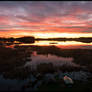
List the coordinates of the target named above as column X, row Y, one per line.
column 37, row 85
column 33, row 79
column 28, row 59
column 49, row 78
column 68, row 80
column 60, row 75
column 80, row 75
column 31, row 83
column 39, row 76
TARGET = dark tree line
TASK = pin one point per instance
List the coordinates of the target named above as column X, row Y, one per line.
column 26, row 39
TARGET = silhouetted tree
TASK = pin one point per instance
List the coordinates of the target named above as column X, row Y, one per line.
column 27, row 39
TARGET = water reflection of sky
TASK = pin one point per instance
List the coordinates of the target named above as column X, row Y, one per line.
column 37, row 59
column 63, row 44
column 55, row 60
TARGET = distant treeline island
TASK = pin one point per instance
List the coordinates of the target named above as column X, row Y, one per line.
column 31, row 39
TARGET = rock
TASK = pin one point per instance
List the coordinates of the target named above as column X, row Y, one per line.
column 60, row 75
column 37, row 85
column 49, row 78
column 28, row 59
column 39, row 76
column 68, row 80
column 33, row 79
column 79, row 75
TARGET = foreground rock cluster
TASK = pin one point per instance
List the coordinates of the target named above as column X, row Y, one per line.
column 38, row 80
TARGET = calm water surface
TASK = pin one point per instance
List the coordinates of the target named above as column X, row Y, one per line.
column 39, row 56
column 63, row 44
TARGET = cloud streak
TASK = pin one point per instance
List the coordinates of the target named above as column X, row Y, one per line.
column 49, row 16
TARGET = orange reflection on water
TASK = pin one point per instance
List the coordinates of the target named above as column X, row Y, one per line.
column 63, row 44
column 57, row 43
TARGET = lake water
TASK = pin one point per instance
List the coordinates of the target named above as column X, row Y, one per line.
column 63, row 44
column 58, row 53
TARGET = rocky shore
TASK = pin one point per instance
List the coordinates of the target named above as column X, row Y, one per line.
column 39, row 80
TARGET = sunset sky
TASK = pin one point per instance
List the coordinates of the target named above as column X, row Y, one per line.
column 46, row 19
